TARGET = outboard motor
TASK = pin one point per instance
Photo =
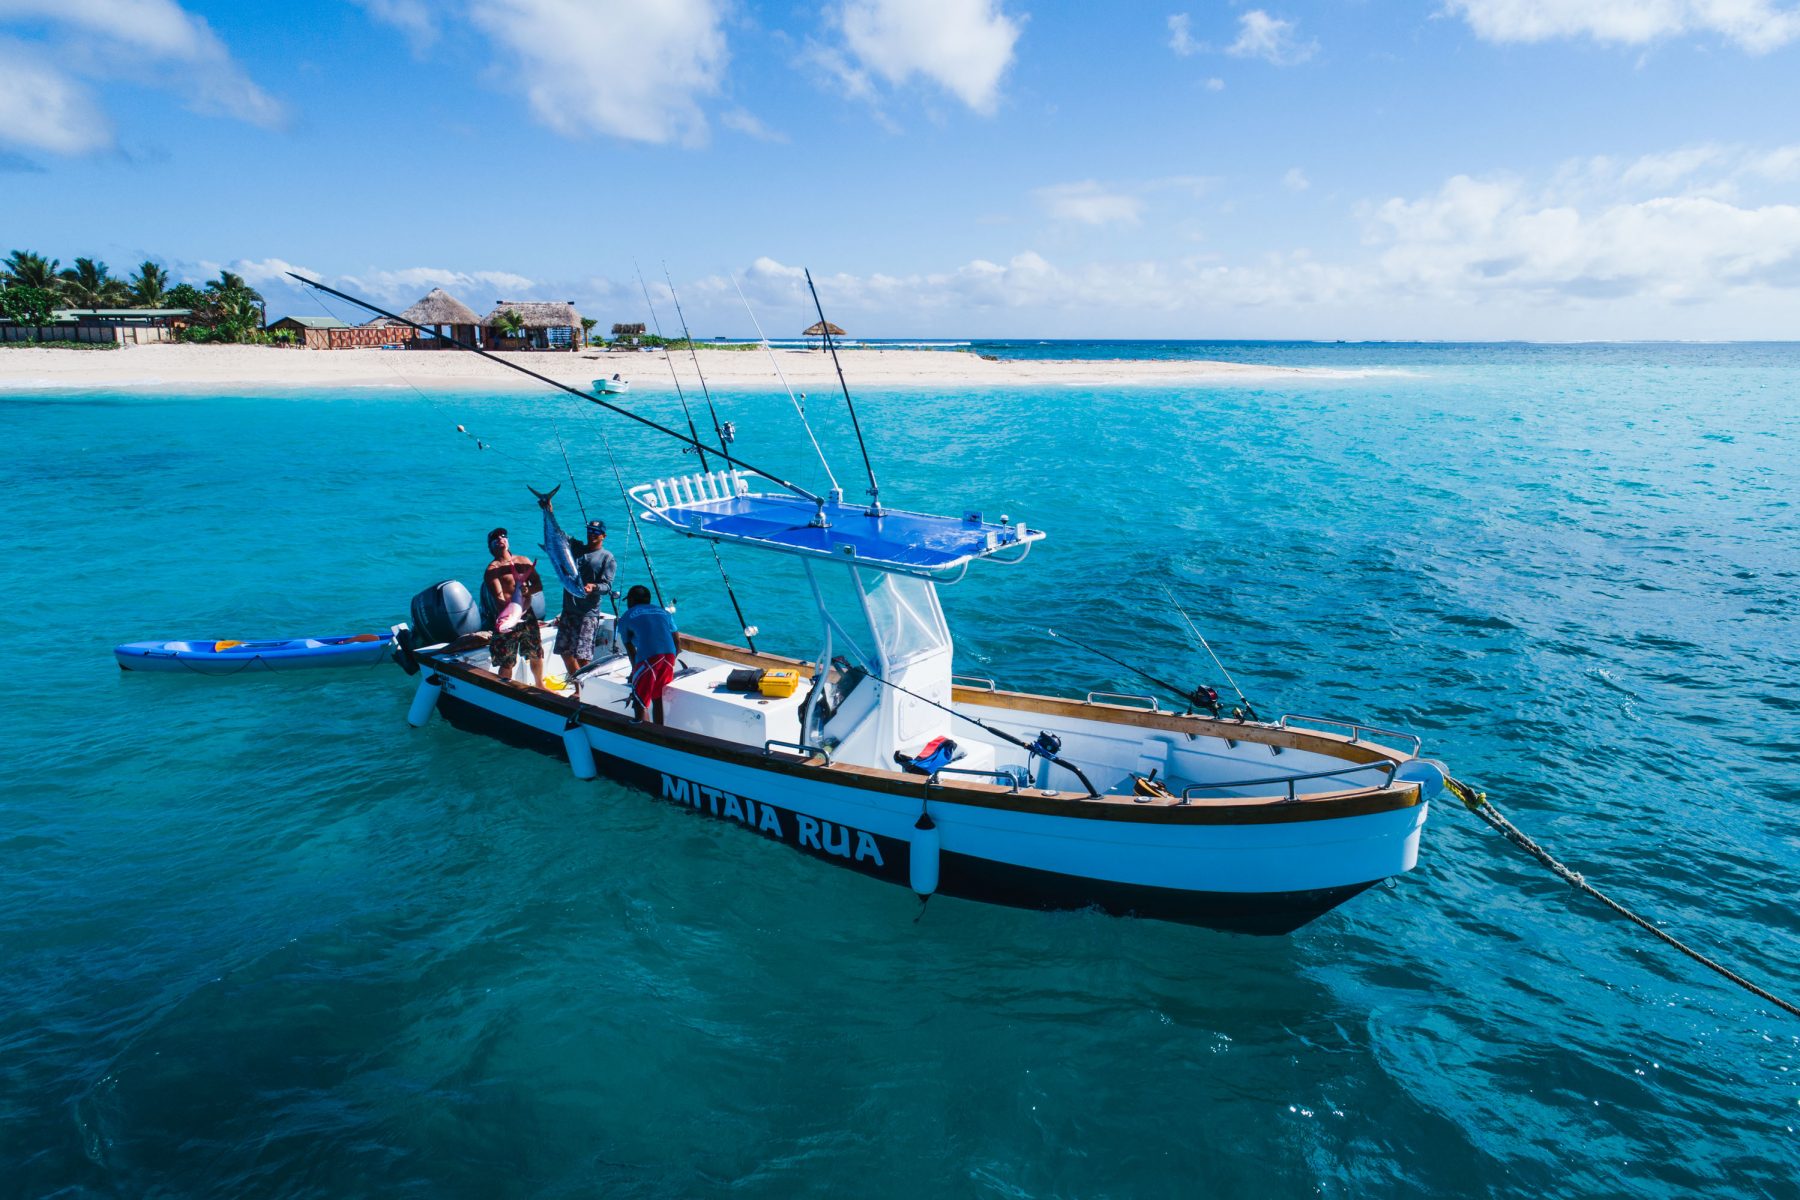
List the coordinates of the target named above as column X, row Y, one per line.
column 443, row 612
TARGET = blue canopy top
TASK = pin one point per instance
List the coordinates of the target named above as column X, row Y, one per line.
column 720, row 506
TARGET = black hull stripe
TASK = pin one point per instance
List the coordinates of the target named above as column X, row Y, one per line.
column 961, row 876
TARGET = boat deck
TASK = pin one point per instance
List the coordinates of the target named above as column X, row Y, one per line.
column 1207, row 765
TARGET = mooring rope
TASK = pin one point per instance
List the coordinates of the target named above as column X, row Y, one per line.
column 1478, row 803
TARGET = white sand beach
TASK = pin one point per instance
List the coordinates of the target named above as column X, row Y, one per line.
column 266, row 367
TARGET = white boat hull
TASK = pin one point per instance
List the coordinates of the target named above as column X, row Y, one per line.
column 1264, row 877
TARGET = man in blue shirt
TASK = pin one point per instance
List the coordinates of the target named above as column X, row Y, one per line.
column 648, row 631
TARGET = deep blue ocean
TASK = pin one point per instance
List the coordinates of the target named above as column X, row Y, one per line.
column 259, row 938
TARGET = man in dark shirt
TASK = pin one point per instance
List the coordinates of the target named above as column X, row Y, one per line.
column 648, row 631
column 575, row 633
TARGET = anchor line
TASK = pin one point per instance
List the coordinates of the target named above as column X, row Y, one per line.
column 825, row 332
column 1478, row 803
column 748, row 629
column 1194, row 629
column 779, row 374
column 1197, row 697
column 471, row 348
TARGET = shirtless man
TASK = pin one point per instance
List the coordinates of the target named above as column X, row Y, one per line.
column 499, row 580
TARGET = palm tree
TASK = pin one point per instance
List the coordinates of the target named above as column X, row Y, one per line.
column 26, row 269
column 87, row 285
column 511, row 323
column 150, row 286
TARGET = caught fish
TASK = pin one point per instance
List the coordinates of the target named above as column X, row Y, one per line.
column 559, row 545
column 514, row 612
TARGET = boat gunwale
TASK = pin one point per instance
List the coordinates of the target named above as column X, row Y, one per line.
column 1235, row 810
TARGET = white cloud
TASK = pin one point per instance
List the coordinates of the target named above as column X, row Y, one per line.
column 750, row 125
column 1598, row 229
column 1215, row 84
column 400, row 286
column 154, row 43
column 1089, row 204
column 1181, row 35
column 1755, row 25
column 618, row 67
column 411, row 17
column 1594, row 248
column 1272, row 39
column 1295, row 180
column 45, row 109
column 964, row 46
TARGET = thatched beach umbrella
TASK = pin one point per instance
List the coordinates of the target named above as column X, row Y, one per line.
column 819, row 329
column 440, row 310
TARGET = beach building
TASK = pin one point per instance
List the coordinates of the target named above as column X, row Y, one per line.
column 447, row 317
column 546, row 325
column 329, row 333
column 124, row 326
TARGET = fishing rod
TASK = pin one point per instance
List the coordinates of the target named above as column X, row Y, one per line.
column 631, row 515
column 1204, row 697
column 656, row 323
column 825, row 332
column 1195, row 630
column 561, row 387
column 1038, row 748
column 718, row 429
column 794, row 400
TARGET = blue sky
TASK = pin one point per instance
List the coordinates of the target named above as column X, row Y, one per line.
column 1549, row 169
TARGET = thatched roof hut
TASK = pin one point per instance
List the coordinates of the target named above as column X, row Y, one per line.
column 441, row 308
column 821, row 328
column 548, row 324
column 447, row 317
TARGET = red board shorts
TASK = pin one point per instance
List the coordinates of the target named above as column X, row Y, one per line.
column 652, row 677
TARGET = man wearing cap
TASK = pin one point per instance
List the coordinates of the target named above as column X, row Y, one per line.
column 648, row 631
column 595, row 567
column 503, row 575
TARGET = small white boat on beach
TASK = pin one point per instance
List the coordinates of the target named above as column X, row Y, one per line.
column 613, row 386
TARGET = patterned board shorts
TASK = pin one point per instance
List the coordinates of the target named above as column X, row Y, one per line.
column 575, row 638
column 504, row 648
column 652, row 677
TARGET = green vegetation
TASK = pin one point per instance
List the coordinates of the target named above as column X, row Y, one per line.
column 652, row 342
column 57, row 344
column 511, row 324
column 226, row 309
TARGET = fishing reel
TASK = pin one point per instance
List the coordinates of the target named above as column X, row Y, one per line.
column 728, row 433
column 1207, row 698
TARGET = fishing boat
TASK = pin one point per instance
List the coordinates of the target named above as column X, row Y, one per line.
column 615, row 386
column 232, row 657
column 1047, row 802
column 874, row 754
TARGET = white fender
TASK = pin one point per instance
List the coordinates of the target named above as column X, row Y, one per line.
column 580, row 750
column 925, row 845
column 424, row 700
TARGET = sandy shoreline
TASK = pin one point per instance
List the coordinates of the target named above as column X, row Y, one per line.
column 267, row 367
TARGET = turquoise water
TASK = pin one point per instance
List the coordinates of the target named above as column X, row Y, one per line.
column 260, row 938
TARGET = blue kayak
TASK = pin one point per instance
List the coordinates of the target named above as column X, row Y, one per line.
column 228, row 657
